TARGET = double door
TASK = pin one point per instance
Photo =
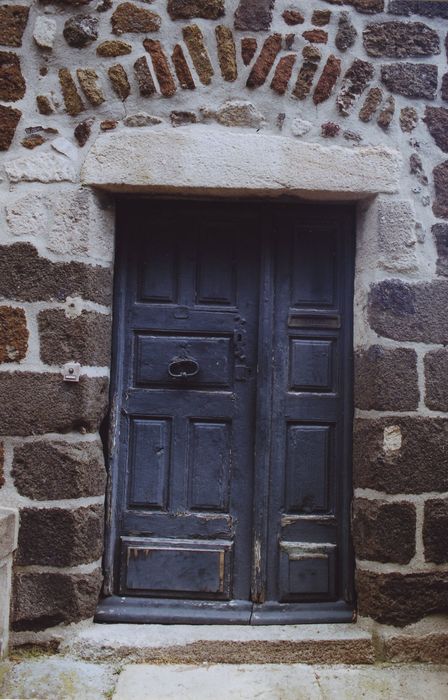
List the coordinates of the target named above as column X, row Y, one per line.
column 231, row 420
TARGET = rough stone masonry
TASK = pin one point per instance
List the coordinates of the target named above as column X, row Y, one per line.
column 354, row 73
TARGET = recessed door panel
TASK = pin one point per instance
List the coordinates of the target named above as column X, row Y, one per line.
column 232, row 414
column 308, row 458
column 190, row 360
column 150, row 458
column 209, row 465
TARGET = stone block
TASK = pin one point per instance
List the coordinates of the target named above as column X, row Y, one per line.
column 13, row 20
column 40, row 167
column 384, row 531
column 226, row 53
column 60, row 537
column 43, row 105
column 400, row 599
column 190, row 9
column 400, row 40
column 48, row 470
column 9, row 118
column 436, row 119
column 131, row 18
column 369, row 7
column 119, row 81
column 44, row 32
column 426, row 8
column 396, row 235
column 386, row 115
column 9, row 526
column 321, row 17
column 69, row 223
column 248, row 49
column 414, row 461
column 25, row 276
column 182, row 68
column 85, row 338
column 440, row 235
column 73, row 103
column 32, row 403
column 410, row 312
column 440, row 175
column 196, row 160
column 194, row 40
column 424, row 642
column 161, row 67
column 144, row 78
column 2, row 465
column 327, row 80
column 42, row 600
column 236, row 113
column 87, row 78
column 254, row 15
column 416, row 80
column 435, row 531
column 408, row 119
column 81, row 30
column 83, row 130
column 293, row 17
column 436, row 380
column 356, row 79
column 12, row 82
column 113, row 47
column 283, row 73
column 346, row 34
column 265, row 61
column 13, row 334
column 370, row 104
column 386, row 379
column 316, row 36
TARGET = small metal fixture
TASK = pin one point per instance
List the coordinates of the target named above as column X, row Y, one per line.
column 71, row 372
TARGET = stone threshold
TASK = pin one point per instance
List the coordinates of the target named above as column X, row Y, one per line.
column 218, row 644
column 362, row 642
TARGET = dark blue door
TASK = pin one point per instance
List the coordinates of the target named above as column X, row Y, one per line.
column 231, row 415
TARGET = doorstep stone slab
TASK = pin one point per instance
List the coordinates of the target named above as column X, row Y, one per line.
column 56, row 679
column 327, row 643
column 279, row 682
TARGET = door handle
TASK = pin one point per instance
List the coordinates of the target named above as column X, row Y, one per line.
column 183, row 368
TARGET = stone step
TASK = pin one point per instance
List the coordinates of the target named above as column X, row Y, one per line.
column 188, row 644
column 280, row 682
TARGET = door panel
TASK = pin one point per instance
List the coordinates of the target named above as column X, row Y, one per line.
column 231, row 446
column 188, row 407
column 307, row 522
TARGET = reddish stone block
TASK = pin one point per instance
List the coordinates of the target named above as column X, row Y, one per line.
column 9, row 118
column 327, row 80
column 265, row 61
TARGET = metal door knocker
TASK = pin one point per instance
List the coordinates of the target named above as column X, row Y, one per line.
column 183, row 368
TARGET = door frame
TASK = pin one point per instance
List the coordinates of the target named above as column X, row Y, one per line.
column 109, row 608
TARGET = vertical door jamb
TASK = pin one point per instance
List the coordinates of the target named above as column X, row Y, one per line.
column 262, row 461
column 115, row 401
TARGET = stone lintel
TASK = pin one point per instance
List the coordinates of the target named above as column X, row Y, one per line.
column 216, row 162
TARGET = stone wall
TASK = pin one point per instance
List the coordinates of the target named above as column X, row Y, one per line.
column 346, row 74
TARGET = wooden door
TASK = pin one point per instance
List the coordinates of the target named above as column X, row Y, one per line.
column 232, row 410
